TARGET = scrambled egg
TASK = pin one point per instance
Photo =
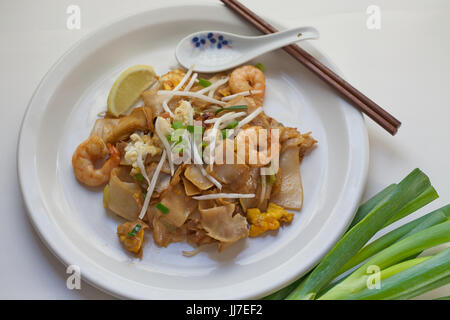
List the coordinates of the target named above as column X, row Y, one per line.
column 139, row 146
column 270, row 220
column 132, row 242
column 224, row 92
column 171, row 79
column 183, row 112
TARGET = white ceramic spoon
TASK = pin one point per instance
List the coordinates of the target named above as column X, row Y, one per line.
column 214, row 51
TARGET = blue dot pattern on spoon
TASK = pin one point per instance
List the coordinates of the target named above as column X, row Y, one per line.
column 210, row 41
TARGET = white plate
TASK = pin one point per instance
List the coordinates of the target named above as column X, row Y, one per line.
column 72, row 222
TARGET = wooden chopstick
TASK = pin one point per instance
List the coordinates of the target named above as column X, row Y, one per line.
column 363, row 103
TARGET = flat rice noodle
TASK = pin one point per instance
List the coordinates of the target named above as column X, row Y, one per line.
column 153, row 100
column 114, row 130
column 290, row 194
column 121, row 147
column 194, row 175
column 149, row 160
column 262, row 200
column 207, row 204
column 236, row 178
column 290, row 137
column 163, row 181
column 104, row 127
column 189, row 188
column 221, row 225
column 195, row 234
column 125, row 198
column 180, row 206
column 164, row 233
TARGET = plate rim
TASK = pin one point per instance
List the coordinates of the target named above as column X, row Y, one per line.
column 108, row 287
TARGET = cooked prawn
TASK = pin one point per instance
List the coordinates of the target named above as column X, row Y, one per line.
column 84, row 157
column 248, row 78
column 258, row 145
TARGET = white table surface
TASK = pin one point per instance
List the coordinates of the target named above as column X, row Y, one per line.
column 404, row 66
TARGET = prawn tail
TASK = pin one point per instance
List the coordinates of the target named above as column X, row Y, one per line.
column 114, row 153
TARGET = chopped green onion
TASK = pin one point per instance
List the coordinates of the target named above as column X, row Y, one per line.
column 139, row 177
column 193, row 129
column 178, row 148
column 260, row 66
column 204, row 83
column 232, row 124
column 240, row 107
column 272, row 178
column 224, row 133
column 178, row 125
column 162, row 208
column 135, row 230
column 201, row 146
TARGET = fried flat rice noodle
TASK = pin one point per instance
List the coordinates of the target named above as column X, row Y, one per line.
column 112, row 130
column 221, row 225
column 180, row 206
column 125, row 197
column 195, row 176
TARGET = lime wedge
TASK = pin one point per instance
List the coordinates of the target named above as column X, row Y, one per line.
column 128, row 87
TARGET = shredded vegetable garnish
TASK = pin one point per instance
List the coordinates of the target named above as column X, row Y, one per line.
column 231, row 115
column 198, row 160
column 232, row 124
column 191, row 129
column 177, row 88
column 152, row 185
column 272, row 178
column 135, row 230
column 192, row 252
column 177, row 125
column 250, row 117
column 139, row 177
column 196, row 250
column 244, row 94
column 213, row 135
column 263, row 189
column 193, row 95
column 211, row 178
column 162, row 208
column 240, row 107
column 214, row 86
column 225, row 195
column 224, row 133
column 191, row 82
column 165, row 142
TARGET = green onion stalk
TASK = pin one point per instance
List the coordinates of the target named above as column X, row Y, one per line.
column 402, row 194
column 390, row 204
column 418, row 279
column 387, row 260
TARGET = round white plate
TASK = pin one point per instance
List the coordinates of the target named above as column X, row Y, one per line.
column 72, row 222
